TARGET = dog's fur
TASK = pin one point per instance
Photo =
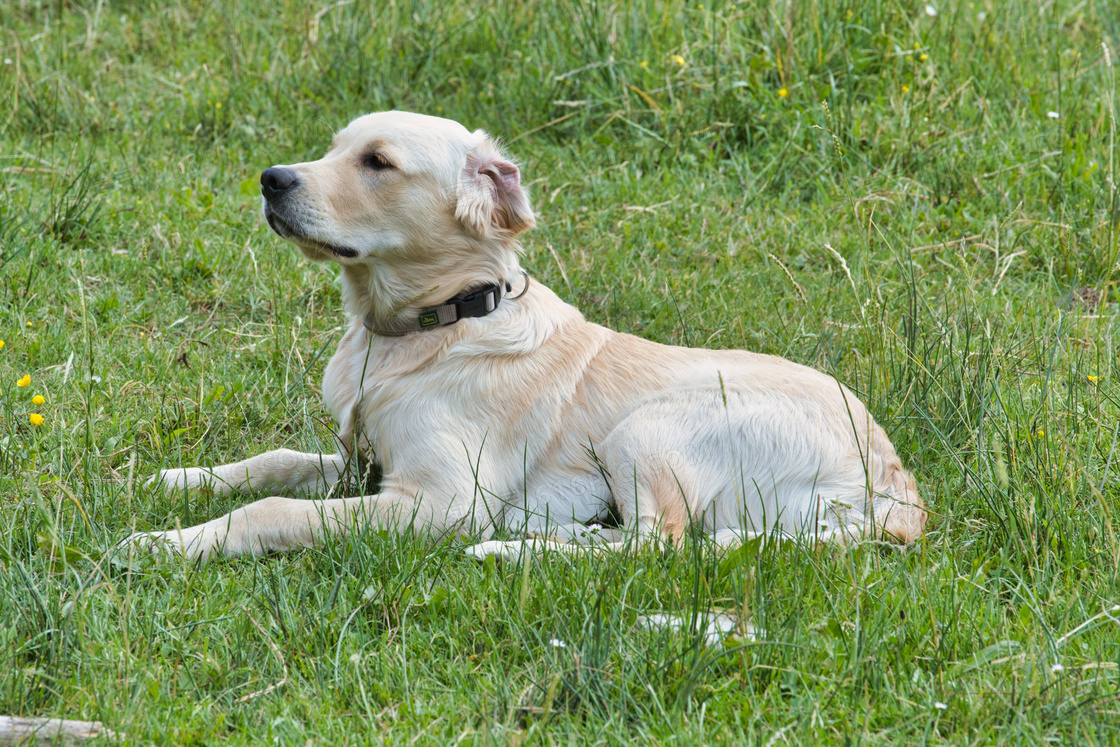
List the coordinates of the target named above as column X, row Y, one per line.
column 530, row 418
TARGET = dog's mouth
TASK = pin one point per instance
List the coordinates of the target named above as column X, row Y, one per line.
column 286, row 230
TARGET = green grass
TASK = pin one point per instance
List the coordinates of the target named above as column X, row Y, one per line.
column 858, row 186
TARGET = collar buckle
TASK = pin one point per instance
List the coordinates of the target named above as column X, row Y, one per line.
column 480, row 303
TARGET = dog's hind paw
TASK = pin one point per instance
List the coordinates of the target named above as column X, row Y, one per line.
column 515, row 550
column 495, row 548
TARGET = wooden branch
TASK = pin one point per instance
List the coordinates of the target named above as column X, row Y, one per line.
column 20, row 730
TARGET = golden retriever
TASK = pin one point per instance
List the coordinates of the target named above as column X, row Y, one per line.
column 489, row 402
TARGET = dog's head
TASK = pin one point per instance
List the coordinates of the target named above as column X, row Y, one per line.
column 398, row 187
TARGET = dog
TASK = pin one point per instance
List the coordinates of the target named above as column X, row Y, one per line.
column 488, row 402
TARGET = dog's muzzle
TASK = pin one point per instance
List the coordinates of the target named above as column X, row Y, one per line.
column 277, row 184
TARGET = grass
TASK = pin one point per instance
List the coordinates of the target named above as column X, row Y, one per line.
column 864, row 187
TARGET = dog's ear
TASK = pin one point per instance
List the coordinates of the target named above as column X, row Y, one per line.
column 491, row 198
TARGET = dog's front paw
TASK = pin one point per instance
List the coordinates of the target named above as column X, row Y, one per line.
column 184, row 478
column 151, row 543
column 183, row 543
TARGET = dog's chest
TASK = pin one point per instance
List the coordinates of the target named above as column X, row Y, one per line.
column 358, row 378
column 398, row 396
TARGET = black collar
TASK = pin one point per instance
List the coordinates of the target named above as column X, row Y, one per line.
column 477, row 303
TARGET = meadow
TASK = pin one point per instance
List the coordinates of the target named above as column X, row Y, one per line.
column 919, row 199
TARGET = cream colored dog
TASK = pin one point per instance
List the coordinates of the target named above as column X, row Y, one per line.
column 489, row 402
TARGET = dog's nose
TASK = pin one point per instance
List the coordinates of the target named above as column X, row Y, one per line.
column 276, row 180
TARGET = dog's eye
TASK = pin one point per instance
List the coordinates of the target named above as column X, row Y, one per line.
column 376, row 162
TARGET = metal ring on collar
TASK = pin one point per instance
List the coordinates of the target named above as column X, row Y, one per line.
column 524, row 290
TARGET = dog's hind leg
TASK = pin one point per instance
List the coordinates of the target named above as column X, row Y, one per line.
column 616, row 540
column 282, row 471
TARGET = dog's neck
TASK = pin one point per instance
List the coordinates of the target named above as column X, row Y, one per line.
column 384, row 296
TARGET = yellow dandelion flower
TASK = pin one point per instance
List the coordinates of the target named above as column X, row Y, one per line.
column 38, row 399
column 923, row 57
column 906, row 89
column 679, row 60
column 1041, row 433
column 219, row 104
column 643, row 63
column 25, row 381
column 782, row 93
column 36, row 419
column 1092, row 379
column 1, row 344
column 28, row 324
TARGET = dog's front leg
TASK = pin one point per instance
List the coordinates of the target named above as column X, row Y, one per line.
column 281, row 471
column 278, row 524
